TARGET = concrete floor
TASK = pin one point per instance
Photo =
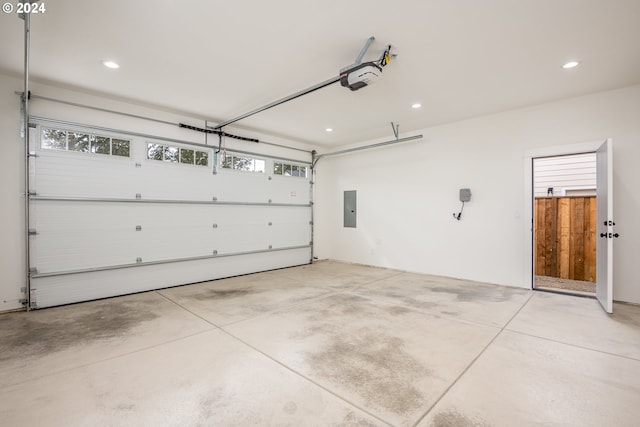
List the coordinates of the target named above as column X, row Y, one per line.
column 324, row 345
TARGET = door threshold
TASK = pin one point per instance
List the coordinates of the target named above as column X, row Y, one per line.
column 566, row 292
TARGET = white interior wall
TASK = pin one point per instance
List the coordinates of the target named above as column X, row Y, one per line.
column 12, row 252
column 12, row 259
column 407, row 193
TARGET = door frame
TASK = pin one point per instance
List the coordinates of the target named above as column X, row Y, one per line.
column 527, row 224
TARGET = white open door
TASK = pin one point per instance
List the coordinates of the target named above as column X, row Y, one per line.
column 604, row 232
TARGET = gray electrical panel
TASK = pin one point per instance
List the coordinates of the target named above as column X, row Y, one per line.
column 465, row 194
column 350, row 208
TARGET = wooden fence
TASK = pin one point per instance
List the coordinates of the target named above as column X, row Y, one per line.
column 565, row 237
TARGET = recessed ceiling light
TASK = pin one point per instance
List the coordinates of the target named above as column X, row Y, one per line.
column 329, row 129
column 110, row 64
column 571, row 64
column 416, row 105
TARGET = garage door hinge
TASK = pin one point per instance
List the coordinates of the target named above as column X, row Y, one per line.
column 32, row 193
column 33, row 155
column 32, row 125
column 214, row 199
column 138, row 165
column 33, row 270
column 33, row 232
column 138, row 228
column 138, row 196
column 138, row 260
column 23, row 301
column 310, row 222
column 215, row 252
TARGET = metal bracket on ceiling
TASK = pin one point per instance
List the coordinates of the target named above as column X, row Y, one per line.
column 358, row 61
column 396, row 129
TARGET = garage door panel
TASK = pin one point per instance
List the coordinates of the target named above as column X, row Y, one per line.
column 77, row 175
column 237, row 186
column 66, row 174
column 98, row 218
column 81, row 235
column 57, row 290
column 165, row 181
column 56, row 252
column 71, row 235
column 233, row 238
column 290, row 190
column 293, row 233
column 83, row 216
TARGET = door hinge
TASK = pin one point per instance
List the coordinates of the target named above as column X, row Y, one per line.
column 33, row 232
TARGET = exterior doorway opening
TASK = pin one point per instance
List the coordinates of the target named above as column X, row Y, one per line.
column 564, row 223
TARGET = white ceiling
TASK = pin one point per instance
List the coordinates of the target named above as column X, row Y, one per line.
column 214, row 59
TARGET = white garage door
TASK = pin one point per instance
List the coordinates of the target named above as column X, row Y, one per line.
column 116, row 213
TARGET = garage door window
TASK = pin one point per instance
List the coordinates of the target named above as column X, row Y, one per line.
column 66, row 140
column 286, row 169
column 175, row 154
column 242, row 163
